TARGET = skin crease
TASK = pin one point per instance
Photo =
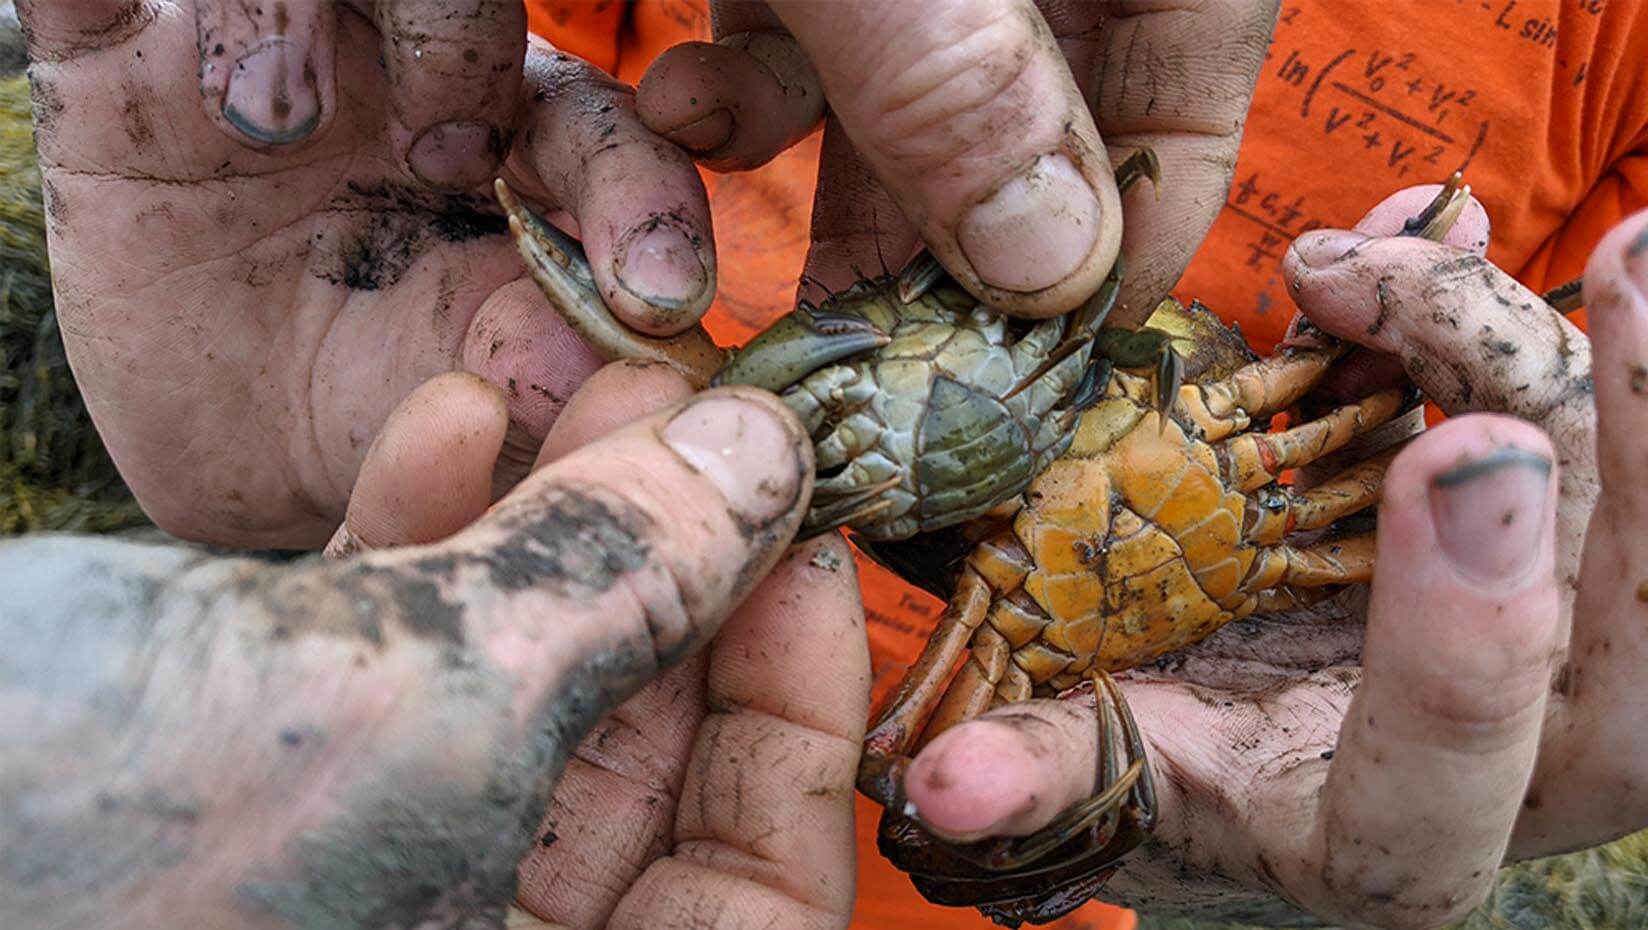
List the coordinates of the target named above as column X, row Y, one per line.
column 403, row 730
column 242, row 318
column 1286, row 750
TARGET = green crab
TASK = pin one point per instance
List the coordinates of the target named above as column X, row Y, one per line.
column 926, row 408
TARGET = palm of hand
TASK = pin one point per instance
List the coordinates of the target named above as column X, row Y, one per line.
column 242, row 323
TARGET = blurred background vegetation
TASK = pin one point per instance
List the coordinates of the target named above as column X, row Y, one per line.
column 56, row 475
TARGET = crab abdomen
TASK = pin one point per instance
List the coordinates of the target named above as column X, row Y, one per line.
column 1134, row 546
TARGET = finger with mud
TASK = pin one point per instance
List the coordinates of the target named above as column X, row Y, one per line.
column 639, row 202
column 613, row 809
column 1007, row 773
column 268, row 72
column 1366, row 371
column 454, row 69
column 428, row 474
column 973, row 121
column 736, row 103
column 1464, row 624
column 614, row 397
column 57, row 31
column 520, row 344
column 1588, row 788
column 763, row 833
column 1468, row 335
column 858, row 231
column 653, row 533
column 1176, row 78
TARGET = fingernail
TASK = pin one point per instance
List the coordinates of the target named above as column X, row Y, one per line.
column 1490, row 512
column 1321, row 249
column 457, row 155
column 1034, row 230
column 747, row 450
column 272, row 96
column 705, row 135
column 660, row 265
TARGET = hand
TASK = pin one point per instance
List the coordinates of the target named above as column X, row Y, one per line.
column 1383, row 782
column 729, row 778
column 222, row 742
column 270, row 223
column 982, row 126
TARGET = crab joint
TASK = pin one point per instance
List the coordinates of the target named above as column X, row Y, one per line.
column 558, row 265
column 797, row 345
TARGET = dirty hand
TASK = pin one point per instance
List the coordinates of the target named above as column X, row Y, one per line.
column 982, row 126
column 270, row 222
column 726, row 779
column 197, row 741
column 1489, row 713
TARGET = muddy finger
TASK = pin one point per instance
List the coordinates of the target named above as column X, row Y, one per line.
column 1008, row 773
column 268, row 71
column 1440, row 740
column 1470, row 336
column 639, row 202
column 973, row 121
column 736, row 103
column 1588, row 788
column 454, row 69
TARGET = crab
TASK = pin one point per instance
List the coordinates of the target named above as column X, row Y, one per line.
column 1087, row 498
column 1154, row 529
column 926, row 408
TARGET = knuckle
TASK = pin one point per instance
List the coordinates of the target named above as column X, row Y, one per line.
column 967, row 90
column 66, row 31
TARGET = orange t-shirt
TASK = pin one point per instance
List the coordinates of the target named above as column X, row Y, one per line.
column 1536, row 100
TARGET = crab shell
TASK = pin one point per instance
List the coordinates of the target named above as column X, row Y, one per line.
column 926, row 409
column 932, row 428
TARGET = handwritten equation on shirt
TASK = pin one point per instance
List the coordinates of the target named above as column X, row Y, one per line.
column 1412, row 119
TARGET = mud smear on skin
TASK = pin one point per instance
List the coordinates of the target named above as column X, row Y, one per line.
column 46, row 103
column 575, row 542
column 77, row 841
column 394, row 226
column 410, row 850
column 406, row 853
column 126, row 20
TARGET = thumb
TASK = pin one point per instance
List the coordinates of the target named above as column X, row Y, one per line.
column 604, row 568
column 967, row 112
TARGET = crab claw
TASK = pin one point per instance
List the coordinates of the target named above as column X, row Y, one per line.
column 557, row 263
column 1141, row 164
column 803, row 341
column 1442, row 212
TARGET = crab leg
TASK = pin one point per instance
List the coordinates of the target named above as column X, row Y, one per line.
column 557, row 264
column 1353, row 490
column 802, row 342
column 901, row 725
column 1566, row 298
column 1270, row 386
column 1254, row 391
column 1442, row 212
column 1286, row 600
column 1253, row 460
column 976, row 687
column 1096, row 833
column 1330, row 562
